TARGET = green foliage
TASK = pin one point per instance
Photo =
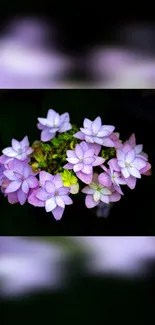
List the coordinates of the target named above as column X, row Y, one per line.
column 108, row 153
column 51, row 156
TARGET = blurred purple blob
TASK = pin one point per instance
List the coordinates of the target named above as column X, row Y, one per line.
column 27, row 266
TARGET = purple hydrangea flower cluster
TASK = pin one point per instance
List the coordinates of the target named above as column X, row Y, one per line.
column 102, row 178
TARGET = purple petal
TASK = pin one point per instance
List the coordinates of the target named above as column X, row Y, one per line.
column 78, row 167
column 86, row 131
column 89, row 153
column 105, row 130
column 9, row 152
column 89, row 202
column 50, row 187
column 107, row 142
column 104, row 198
column 87, row 179
column 64, row 117
column 65, row 127
column 12, row 198
column 44, row 176
column 57, row 213
column 87, row 190
column 95, row 146
column 115, row 197
column 10, row 175
column 87, row 123
column 79, row 152
column 96, row 140
column 79, row 135
column 71, row 154
column 120, row 154
column 32, row 199
column 139, row 163
column 67, row 200
column 146, row 169
column 68, row 166
column 24, row 142
column 84, row 145
column 46, row 122
column 121, row 181
column 73, row 160
column 96, row 125
column 18, row 166
column 50, row 115
column 22, row 197
column 131, row 182
column 41, row 194
column 13, row 187
column 63, row 190
column 27, row 171
column 130, row 156
column 87, row 169
column 104, row 179
column 57, row 180
column 114, row 164
column 29, row 151
column 121, row 163
column 32, row 181
column 118, row 189
column 50, row 204
column 138, row 148
column 41, row 127
column 25, row 187
column 15, row 145
column 98, row 161
column 89, row 160
column 134, row 172
column 46, row 135
column 126, row 148
column 125, row 172
column 59, row 201
column 132, row 140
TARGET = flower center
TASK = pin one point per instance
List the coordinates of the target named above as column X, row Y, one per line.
column 128, row 165
column 19, row 151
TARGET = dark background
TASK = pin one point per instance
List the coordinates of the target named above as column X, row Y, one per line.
column 89, row 300
column 130, row 111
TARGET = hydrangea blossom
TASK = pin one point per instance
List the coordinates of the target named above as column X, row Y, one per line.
column 19, row 150
column 97, row 193
column 53, row 123
column 82, row 160
column 112, row 178
column 21, row 179
column 46, row 174
column 53, row 194
column 95, row 132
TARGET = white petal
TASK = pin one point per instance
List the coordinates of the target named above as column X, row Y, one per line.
column 134, row 172
column 125, row 172
column 96, row 196
column 50, row 204
column 60, row 202
column 9, row 152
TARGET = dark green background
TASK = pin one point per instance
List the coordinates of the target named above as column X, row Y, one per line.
column 129, row 110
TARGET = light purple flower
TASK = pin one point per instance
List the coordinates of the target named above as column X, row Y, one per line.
column 111, row 178
column 53, row 194
column 129, row 163
column 2, row 168
column 115, row 138
column 95, row 132
column 33, row 200
column 19, row 150
column 97, row 193
column 21, row 179
column 53, row 123
column 82, row 160
column 139, row 153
